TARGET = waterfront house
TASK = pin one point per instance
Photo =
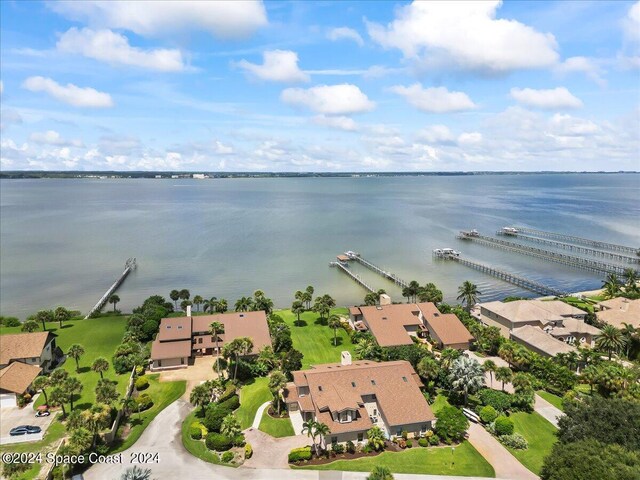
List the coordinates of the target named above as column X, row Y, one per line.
column 180, row 339
column 536, row 339
column 36, row 348
column 618, row 311
column 398, row 324
column 15, row 381
column 352, row 397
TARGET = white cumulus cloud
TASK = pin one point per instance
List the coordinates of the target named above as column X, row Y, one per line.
column 51, row 137
column 342, row 99
column 550, row 99
column 69, row 93
column 345, row 33
column 340, row 122
column 114, row 48
column 469, row 138
column 436, row 134
column 466, row 34
column 277, row 66
column 434, row 99
column 224, row 19
column 585, row 65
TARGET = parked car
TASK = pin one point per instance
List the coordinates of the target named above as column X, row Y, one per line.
column 43, row 413
column 24, row 430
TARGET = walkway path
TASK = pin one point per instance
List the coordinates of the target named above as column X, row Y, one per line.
column 547, row 410
column 270, row 452
column 505, row 464
column 164, row 437
column 258, row 418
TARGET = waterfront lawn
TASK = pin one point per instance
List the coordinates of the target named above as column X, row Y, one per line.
column 163, row 394
column 464, row 460
column 554, row 400
column 582, row 304
column 315, row 339
column 276, row 427
column 197, row 448
column 541, row 436
column 252, row 395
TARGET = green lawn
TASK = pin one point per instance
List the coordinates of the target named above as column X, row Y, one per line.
column 276, row 427
column 197, row 448
column 163, row 394
column 541, row 436
column 315, row 339
column 252, row 396
column 554, row 400
column 99, row 337
column 440, row 402
column 464, row 461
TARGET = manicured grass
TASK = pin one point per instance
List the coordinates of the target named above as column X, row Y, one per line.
column 541, row 436
column 197, row 448
column 252, row 396
column 163, row 394
column 315, row 339
column 585, row 305
column 464, row 461
column 99, row 338
column 554, row 400
column 276, row 427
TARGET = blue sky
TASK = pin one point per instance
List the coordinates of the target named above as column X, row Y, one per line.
column 320, row 86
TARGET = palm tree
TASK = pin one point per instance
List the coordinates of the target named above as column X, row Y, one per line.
column 306, row 299
column 371, row 299
column 335, row 323
column 406, row 292
column 100, row 365
column 200, row 396
column 72, row 386
column 469, row 294
column 184, row 304
column 210, row 304
column 375, row 438
column 222, row 306
column 128, row 405
column 277, row 381
column 197, row 301
column 466, row 375
column 61, row 314
column 216, row 328
column 490, row 366
column 30, row 326
column 380, row 473
column 630, row 334
column 114, row 299
column 136, row 473
column 365, row 349
column 413, row 289
column 610, row 340
column 298, row 295
column 428, row 369
column 297, row 308
column 44, row 316
column 175, row 296
column 522, row 382
column 309, row 291
column 630, row 279
column 507, row 352
column 96, row 418
column 58, row 397
column 243, row 304
column 76, row 351
column 184, row 294
column 230, row 426
column 611, row 286
column 504, row 374
column 40, row 384
column 309, row 428
column 322, row 430
column 106, row 391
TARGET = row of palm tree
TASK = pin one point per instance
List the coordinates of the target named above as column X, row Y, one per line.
column 314, row 430
column 427, row 293
column 613, row 286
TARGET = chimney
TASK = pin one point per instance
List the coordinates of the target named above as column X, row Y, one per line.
column 188, row 310
column 385, row 299
column 345, row 358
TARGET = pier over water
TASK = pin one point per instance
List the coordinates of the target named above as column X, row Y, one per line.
column 128, row 267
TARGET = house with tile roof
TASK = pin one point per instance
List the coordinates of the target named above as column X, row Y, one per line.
column 618, row 311
column 352, row 397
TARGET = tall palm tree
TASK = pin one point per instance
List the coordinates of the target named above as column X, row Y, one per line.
column 414, row 286
column 610, row 340
column 61, row 314
column 298, row 295
column 44, row 316
column 114, row 299
column 100, row 365
column 406, row 292
column 58, row 397
column 197, row 301
column 630, row 334
column 466, row 375
column 334, row 323
column 469, row 294
column 76, row 351
column 175, row 296
column 611, row 286
column 630, row 279
column 490, row 366
column 222, row 305
column 184, row 294
column 243, row 304
column 504, row 374
column 277, row 381
column 210, row 304
column 96, row 418
column 297, row 308
column 216, row 328
column 40, row 384
column 73, row 387
column 507, row 351
column 306, row 299
column 200, row 396
column 322, row 430
column 428, row 369
column 309, row 429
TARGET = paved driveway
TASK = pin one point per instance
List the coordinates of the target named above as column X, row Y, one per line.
column 271, row 452
column 14, row 416
column 200, row 371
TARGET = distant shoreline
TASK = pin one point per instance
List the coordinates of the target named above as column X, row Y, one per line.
column 203, row 175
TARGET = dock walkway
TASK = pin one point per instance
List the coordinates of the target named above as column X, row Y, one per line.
column 371, row 266
column 128, row 267
column 355, row 277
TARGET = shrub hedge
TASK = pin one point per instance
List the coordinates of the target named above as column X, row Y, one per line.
column 300, row 454
column 142, row 383
column 488, row 414
column 144, row 402
column 227, row 457
column 248, row 451
column 503, row 426
column 218, row 442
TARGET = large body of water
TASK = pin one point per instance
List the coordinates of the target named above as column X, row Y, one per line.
column 63, row 242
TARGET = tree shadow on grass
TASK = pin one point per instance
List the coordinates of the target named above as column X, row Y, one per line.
column 321, row 321
column 300, row 323
column 83, row 369
column 339, row 341
column 82, row 406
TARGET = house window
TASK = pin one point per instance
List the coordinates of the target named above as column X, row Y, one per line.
column 423, row 428
column 199, row 339
column 404, row 378
column 373, row 382
column 182, row 361
column 334, row 439
column 360, row 437
column 319, row 388
column 399, row 432
column 353, row 384
column 159, row 363
column 375, row 412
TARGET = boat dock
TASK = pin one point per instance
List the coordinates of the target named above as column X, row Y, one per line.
column 128, row 267
column 388, row 275
column 343, row 266
column 505, row 276
column 570, row 260
column 573, row 248
column 579, row 240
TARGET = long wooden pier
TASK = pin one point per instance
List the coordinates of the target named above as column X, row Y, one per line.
column 581, row 241
column 571, row 260
column 354, row 276
column 128, row 267
column 512, row 278
column 574, row 248
column 388, row 275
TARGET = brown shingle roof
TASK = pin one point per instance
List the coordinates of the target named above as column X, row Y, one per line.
column 238, row 324
column 447, row 326
column 387, row 322
column 335, row 387
column 18, row 376
column 165, row 350
column 538, row 339
column 22, row 345
column 175, row 328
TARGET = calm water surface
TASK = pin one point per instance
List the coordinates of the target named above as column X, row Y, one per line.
column 63, row 242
